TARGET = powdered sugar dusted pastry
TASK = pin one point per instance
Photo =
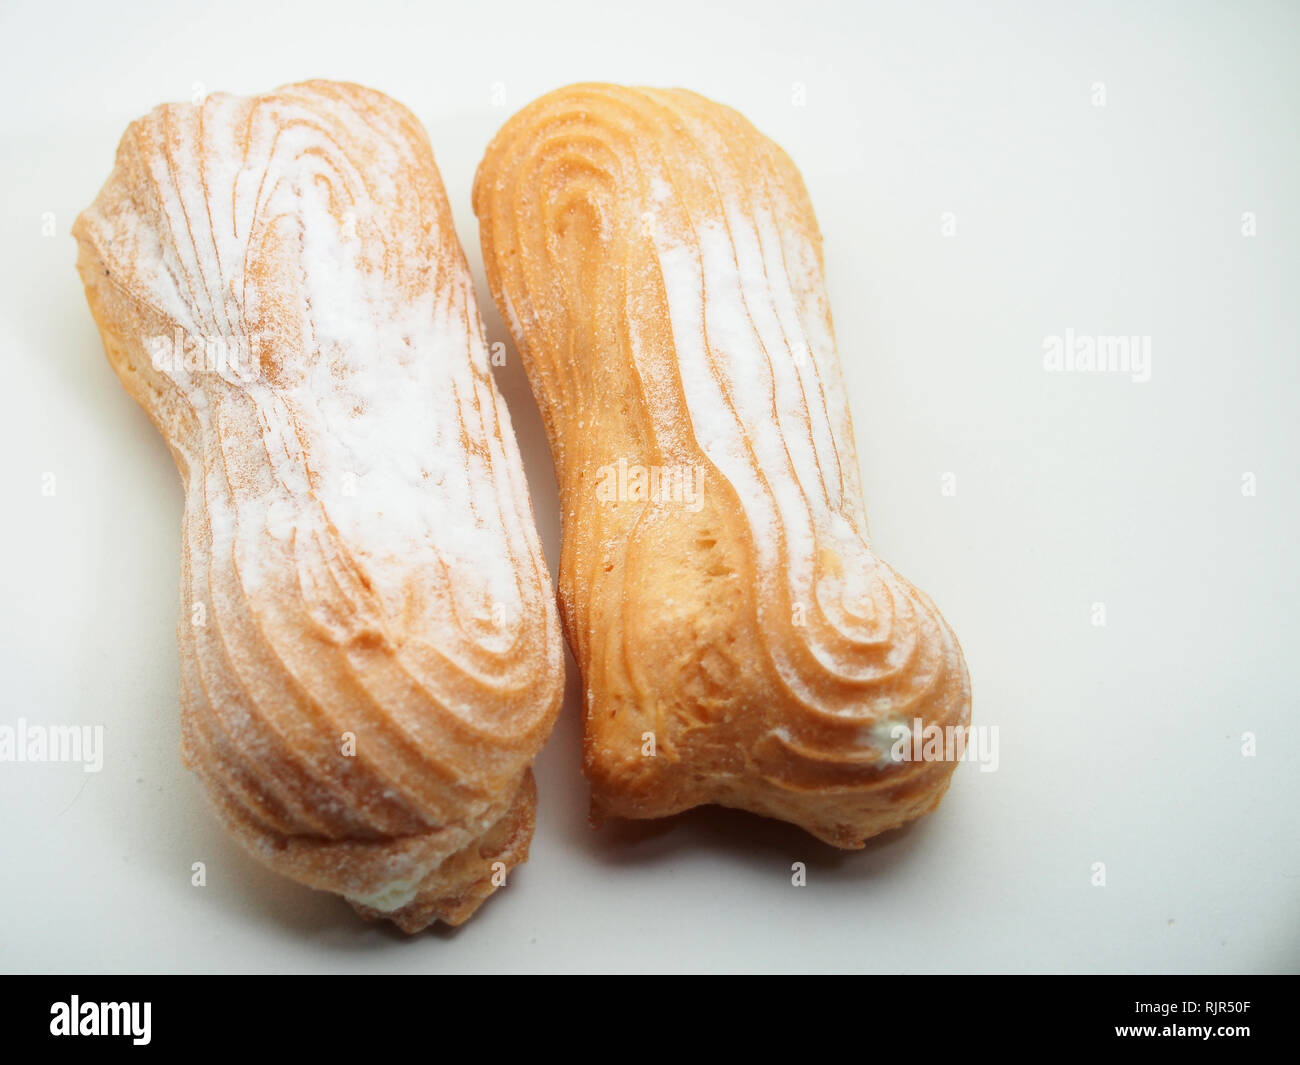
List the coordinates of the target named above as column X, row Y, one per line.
column 660, row 266
column 370, row 655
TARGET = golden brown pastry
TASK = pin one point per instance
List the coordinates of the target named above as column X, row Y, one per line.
column 660, row 266
column 370, row 657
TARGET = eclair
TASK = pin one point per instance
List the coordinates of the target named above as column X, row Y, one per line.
column 660, row 267
column 369, row 649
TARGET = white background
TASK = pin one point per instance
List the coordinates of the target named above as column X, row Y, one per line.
column 1118, row 744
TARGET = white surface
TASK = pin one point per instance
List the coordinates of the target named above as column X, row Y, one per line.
column 1119, row 744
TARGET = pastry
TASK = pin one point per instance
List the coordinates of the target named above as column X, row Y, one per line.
column 659, row 264
column 370, row 655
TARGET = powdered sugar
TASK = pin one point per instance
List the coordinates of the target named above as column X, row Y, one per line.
column 285, row 231
column 759, row 374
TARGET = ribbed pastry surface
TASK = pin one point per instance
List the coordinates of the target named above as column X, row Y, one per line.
column 359, row 553
column 660, row 266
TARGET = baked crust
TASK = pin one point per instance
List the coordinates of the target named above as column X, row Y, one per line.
column 660, row 266
column 277, row 281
